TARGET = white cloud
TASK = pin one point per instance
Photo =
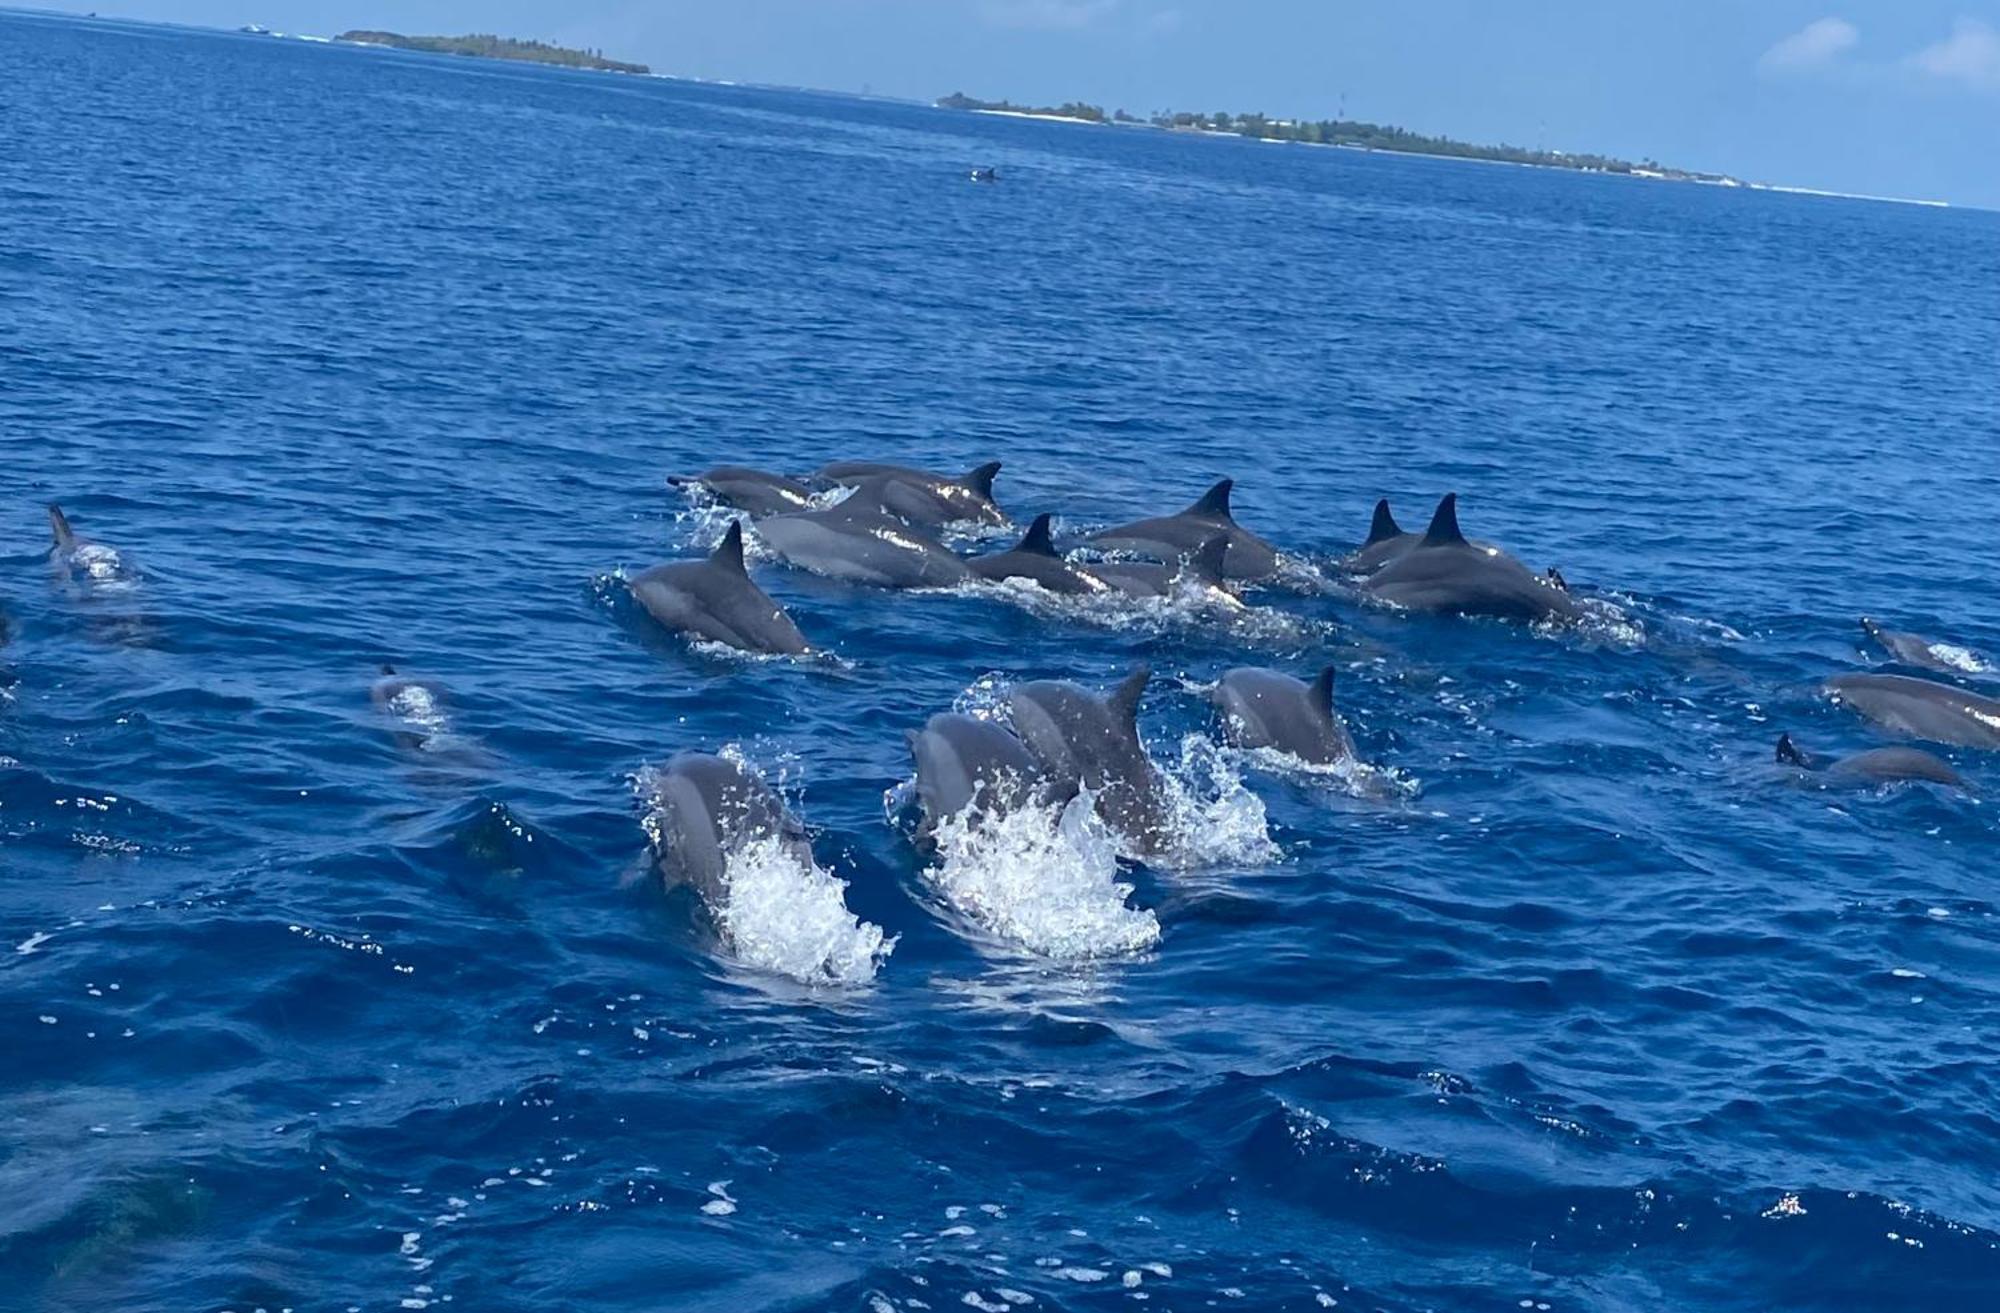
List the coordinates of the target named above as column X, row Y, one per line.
column 1047, row 14
column 1816, row 44
column 1971, row 54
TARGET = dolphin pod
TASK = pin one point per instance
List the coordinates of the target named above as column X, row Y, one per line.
column 1064, row 738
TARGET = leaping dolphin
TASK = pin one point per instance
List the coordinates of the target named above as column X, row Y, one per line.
column 923, row 497
column 755, row 492
column 1444, row 572
column 963, row 761
column 717, row 599
column 1171, row 537
column 1878, row 765
column 859, row 540
column 1912, row 649
column 1093, row 742
column 1035, row 557
column 1921, row 708
column 1268, row 709
column 705, row 810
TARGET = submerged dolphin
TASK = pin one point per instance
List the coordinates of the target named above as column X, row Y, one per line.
column 416, row 705
column 1910, row 649
column 1444, row 572
column 923, row 497
column 752, row 491
column 962, row 760
column 1921, row 708
column 1171, row 537
column 1879, row 765
column 1093, row 742
column 717, row 599
column 705, row 810
column 1035, row 557
column 1202, row 567
column 860, row 540
column 1268, row 709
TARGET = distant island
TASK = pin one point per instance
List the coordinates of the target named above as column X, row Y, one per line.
column 482, row 46
column 1340, row 132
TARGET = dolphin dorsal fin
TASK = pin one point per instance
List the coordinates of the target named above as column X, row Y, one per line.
column 729, row 555
column 1213, row 504
column 1124, row 700
column 911, row 738
column 1788, row 753
column 59, row 525
column 388, row 669
column 1037, row 541
column 1322, row 691
column 1384, row 526
column 980, row 478
column 1444, row 525
column 1870, row 628
column 1206, row 561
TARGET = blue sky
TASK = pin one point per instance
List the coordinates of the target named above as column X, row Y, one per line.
column 1898, row 97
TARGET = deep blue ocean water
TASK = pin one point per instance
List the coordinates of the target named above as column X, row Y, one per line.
column 355, row 356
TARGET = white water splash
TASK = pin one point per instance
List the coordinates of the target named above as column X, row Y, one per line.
column 1212, row 817
column 780, row 911
column 1350, row 775
column 1041, row 878
column 1960, row 658
column 1191, row 607
column 783, row 914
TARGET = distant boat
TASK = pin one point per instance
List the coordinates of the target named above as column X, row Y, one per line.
column 256, row 29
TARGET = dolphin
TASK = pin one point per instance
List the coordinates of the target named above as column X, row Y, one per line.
column 1203, row 567
column 1035, row 557
column 923, row 497
column 1878, row 765
column 706, row 809
column 1910, row 649
column 1083, row 740
column 1444, row 572
column 861, row 541
column 77, row 554
column 1387, row 540
column 1921, row 708
column 1267, row 709
column 1170, row 537
column 754, row 492
column 716, row 599
column 962, row 760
